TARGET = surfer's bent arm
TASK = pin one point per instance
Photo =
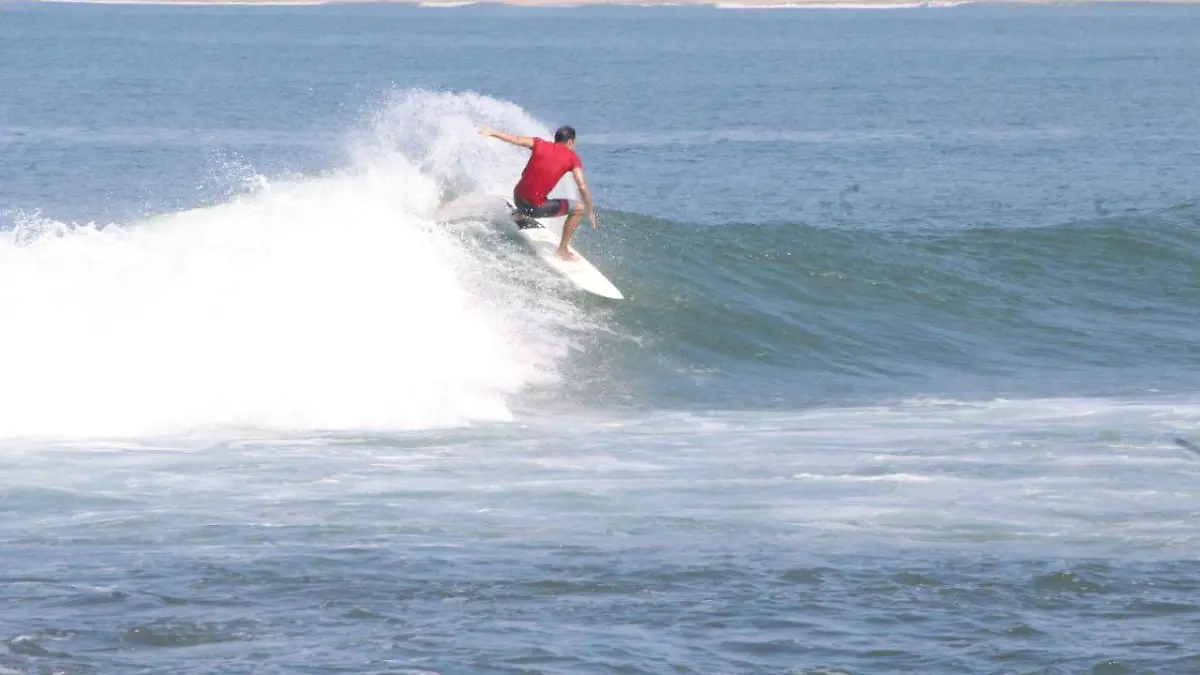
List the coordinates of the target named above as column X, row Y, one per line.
column 584, row 192
column 523, row 141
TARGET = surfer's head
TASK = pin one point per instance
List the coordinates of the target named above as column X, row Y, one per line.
column 565, row 135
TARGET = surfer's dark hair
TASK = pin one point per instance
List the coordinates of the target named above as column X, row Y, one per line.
column 564, row 134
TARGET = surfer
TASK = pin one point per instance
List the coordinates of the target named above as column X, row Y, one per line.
column 548, row 163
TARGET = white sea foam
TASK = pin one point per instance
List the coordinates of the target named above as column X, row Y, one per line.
column 327, row 302
column 931, row 4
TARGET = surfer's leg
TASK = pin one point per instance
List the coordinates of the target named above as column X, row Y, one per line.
column 576, row 211
column 519, row 215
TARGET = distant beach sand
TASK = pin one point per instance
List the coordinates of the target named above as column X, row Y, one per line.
column 721, row 4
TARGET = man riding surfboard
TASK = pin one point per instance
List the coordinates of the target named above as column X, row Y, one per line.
column 548, row 163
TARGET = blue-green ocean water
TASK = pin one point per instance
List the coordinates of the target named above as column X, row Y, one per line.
column 905, row 380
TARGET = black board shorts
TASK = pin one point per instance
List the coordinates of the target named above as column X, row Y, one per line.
column 551, row 208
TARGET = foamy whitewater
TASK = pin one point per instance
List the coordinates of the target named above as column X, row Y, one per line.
column 329, row 302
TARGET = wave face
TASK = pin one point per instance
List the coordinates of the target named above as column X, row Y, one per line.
column 386, row 295
column 749, row 314
column 337, row 301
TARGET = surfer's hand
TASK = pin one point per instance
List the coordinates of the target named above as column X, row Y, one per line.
column 592, row 217
column 485, row 130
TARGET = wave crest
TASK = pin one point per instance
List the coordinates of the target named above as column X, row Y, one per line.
column 329, row 302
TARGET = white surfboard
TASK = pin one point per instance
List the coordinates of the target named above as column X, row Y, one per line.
column 543, row 235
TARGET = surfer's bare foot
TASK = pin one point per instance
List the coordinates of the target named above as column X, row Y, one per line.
column 564, row 242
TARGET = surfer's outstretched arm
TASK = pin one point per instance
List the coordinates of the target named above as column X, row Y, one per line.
column 523, row 141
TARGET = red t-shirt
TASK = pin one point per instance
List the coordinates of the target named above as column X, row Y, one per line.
column 548, row 163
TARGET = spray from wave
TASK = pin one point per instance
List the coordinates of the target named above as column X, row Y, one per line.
column 339, row 301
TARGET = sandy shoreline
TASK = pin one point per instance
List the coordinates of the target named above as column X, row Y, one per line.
column 720, row 4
